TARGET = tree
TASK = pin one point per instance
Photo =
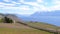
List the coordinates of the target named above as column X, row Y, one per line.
column 7, row 20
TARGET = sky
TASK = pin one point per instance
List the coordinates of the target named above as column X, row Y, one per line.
column 28, row 7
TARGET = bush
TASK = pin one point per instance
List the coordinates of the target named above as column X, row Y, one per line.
column 8, row 20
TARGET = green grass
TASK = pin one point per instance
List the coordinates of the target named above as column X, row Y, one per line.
column 43, row 25
column 4, row 29
column 21, row 31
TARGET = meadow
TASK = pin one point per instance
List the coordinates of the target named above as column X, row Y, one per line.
column 19, row 29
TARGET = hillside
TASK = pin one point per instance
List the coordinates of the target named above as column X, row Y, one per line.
column 22, row 27
column 19, row 29
column 11, row 17
column 43, row 25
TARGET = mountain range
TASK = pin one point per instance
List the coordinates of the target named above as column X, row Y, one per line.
column 47, row 13
column 52, row 17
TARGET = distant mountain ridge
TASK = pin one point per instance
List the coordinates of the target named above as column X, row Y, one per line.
column 52, row 17
column 47, row 13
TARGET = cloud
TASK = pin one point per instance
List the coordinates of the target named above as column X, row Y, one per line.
column 7, row 0
column 30, row 0
column 21, row 1
column 25, row 7
column 36, row 5
column 22, row 9
column 10, row 8
column 56, row 1
column 40, row 1
column 6, row 5
column 55, row 6
column 2, row 4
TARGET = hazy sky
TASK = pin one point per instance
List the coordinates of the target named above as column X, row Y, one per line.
column 25, row 7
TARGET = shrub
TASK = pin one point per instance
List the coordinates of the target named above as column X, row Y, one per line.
column 8, row 20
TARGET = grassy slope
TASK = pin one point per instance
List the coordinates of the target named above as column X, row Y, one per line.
column 43, row 25
column 13, row 29
column 21, row 31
